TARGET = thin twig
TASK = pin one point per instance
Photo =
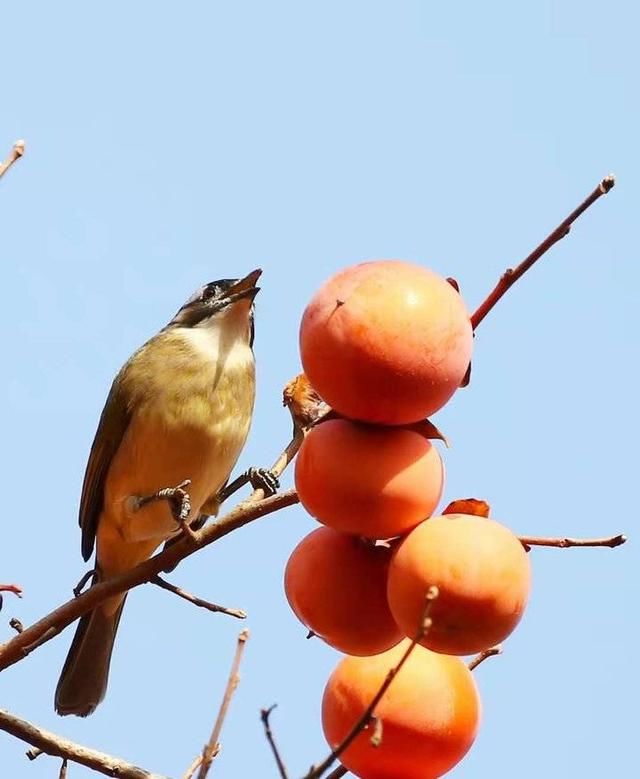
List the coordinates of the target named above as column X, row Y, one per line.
column 188, row 774
column 212, row 748
column 33, row 753
column 204, row 604
column 56, row 746
column 511, row 275
column 46, row 628
column 484, row 655
column 63, row 769
column 14, row 588
column 16, row 152
column 337, row 773
column 425, row 624
column 264, row 716
column 565, row 543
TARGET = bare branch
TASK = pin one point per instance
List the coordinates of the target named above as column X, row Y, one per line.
column 264, row 716
column 188, row 774
column 511, row 275
column 14, row 588
column 565, row 543
column 338, row 772
column 212, row 748
column 63, row 769
column 49, row 626
column 484, row 655
column 16, row 152
column 56, row 746
column 204, row 604
column 425, row 625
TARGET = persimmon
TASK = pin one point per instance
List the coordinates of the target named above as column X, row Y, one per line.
column 429, row 714
column 337, row 586
column 387, row 342
column 483, row 575
column 368, row 480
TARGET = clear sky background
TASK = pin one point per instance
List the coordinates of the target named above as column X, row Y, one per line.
column 172, row 144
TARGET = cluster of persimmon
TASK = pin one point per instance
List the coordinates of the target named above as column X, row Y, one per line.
column 386, row 344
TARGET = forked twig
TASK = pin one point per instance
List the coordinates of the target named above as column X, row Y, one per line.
column 511, row 275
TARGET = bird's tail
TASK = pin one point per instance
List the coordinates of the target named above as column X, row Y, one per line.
column 83, row 681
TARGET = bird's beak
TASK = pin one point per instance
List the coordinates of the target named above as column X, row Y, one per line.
column 244, row 288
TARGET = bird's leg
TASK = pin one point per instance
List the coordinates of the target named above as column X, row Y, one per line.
column 259, row 478
column 83, row 581
column 179, row 503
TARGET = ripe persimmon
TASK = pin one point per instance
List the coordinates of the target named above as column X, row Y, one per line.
column 387, row 342
column 368, row 480
column 336, row 585
column 429, row 714
column 482, row 573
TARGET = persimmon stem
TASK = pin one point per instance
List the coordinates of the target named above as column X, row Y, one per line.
column 425, row 625
column 511, row 275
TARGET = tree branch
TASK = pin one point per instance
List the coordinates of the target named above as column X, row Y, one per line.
column 14, row 155
column 49, row 626
column 565, row 543
column 57, row 746
column 204, row 604
column 212, row 747
column 264, row 716
column 425, row 624
column 484, row 655
column 511, row 275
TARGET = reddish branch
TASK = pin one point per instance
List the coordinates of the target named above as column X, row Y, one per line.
column 511, row 275
column 264, row 716
column 61, row 747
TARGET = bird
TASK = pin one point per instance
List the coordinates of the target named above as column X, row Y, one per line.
column 173, row 426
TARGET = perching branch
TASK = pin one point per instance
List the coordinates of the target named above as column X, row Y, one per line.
column 204, row 604
column 316, row 772
column 56, row 746
column 264, row 716
column 511, row 275
column 212, row 747
column 14, row 155
column 49, row 626
column 484, row 655
column 565, row 543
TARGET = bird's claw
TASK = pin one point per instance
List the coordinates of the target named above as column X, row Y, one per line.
column 265, row 480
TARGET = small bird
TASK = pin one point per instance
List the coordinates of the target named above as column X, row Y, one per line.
column 173, row 426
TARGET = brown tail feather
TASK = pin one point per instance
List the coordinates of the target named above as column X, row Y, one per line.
column 83, row 681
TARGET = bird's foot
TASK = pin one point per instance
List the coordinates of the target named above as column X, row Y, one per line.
column 263, row 479
column 92, row 574
column 179, row 502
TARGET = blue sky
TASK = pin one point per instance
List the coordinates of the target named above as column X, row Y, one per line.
column 169, row 145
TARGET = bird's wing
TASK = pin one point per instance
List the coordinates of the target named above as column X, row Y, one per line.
column 113, row 424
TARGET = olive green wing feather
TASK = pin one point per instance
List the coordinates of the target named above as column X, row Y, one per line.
column 113, row 424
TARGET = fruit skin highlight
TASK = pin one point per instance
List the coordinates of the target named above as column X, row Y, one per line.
column 387, row 342
column 337, row 586
column 376, row 482
column 430, row 713
column 483, row 575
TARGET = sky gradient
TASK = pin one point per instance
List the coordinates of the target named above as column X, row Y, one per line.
column 171, row 145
